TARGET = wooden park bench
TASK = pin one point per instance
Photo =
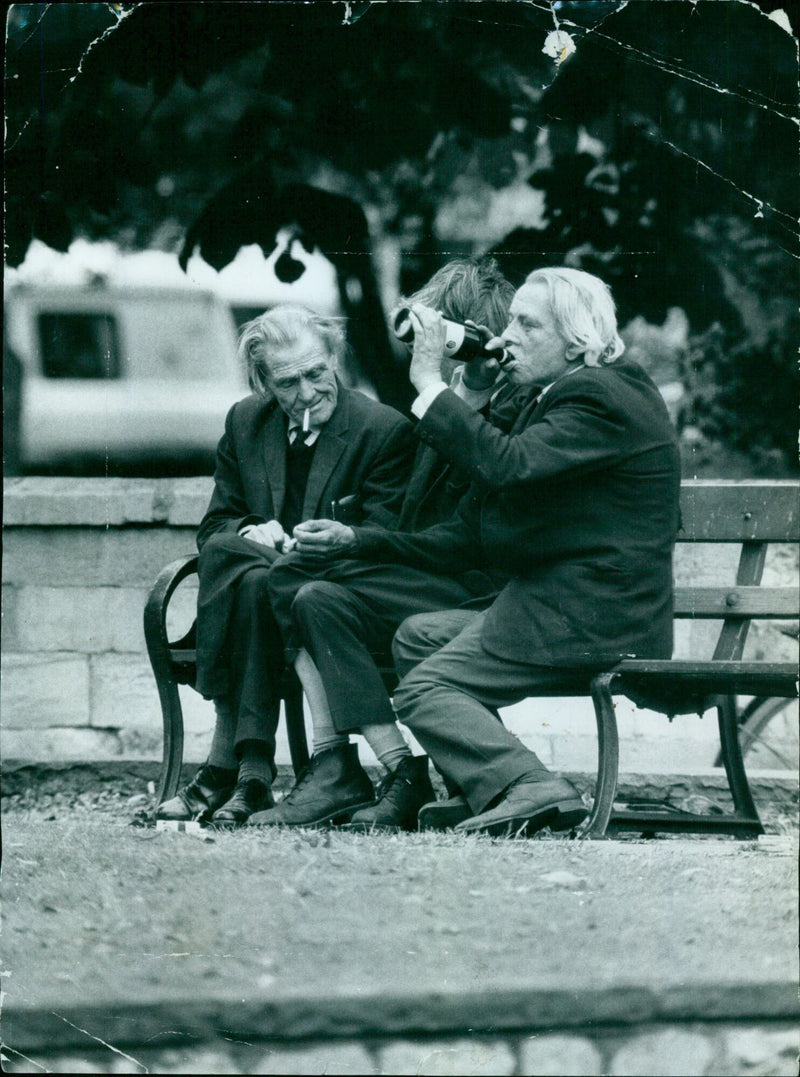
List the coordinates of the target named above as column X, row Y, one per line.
column 750, row 514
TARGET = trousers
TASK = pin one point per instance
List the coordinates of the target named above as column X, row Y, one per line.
column 449, row 689
column 239, row 647
column 345, row 614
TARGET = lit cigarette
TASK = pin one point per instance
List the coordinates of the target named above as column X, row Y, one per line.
column 305, row 421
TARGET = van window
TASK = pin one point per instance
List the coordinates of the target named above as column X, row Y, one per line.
column 78, row 345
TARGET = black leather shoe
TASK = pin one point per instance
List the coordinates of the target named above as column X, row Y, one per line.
column 401, row 794
column 444, row 814
column 333, row 785
column 249, row 796
column 199, row 799
column 529, row 806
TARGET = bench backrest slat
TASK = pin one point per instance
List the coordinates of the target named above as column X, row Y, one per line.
column 766, row 511
column 778, row 603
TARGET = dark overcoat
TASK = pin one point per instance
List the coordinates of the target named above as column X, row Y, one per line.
column 578, row 504
column 364, row 451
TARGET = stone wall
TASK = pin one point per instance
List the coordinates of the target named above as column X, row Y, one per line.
column 696, row 1049
column 79, row 558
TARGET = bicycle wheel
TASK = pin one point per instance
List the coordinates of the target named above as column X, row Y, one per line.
column 768, row 734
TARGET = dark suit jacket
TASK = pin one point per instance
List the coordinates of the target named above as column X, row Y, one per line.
column 579, row 504
column 364, row 449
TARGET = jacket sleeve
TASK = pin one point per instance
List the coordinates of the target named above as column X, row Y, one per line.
column 581, row 428
column 228, row 510
column 450, row 547
column 384, row 486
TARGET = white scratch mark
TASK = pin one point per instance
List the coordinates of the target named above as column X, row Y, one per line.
column 118, row 14
column 671, row 68
column 758, row 202
column 98, row 1040
column 559, row 45
column 19, row 1054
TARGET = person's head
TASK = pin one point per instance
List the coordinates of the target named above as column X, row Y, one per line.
column 467, row 289
column 292, row 354
column 559, row 316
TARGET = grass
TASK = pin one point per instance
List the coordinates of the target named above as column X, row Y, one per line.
column 96, row 911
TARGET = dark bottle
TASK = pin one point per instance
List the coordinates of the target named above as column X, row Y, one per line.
column 462, row 341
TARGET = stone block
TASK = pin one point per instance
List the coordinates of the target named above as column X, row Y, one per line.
column 559, row 1056
column 46, row 745
column 458, row 1057
column 182, row 609
column 74, row 1063
column 123, row 692
column 761, row 1051
column 41, row 690
column 678, row 754
column 190, row 498
column 183, row 1060
column 669, row 1052
column 100, row 502
column 85, row 619
column 574, row 753
column 8, row 621
column 340, row 1058
column 83, row 556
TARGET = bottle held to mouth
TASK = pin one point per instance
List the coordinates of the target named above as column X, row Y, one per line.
column 461, row 341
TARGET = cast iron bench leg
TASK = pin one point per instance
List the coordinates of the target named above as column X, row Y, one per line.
column 743, row 802
column 172, row 758
column 158, row 650
column 607, row 757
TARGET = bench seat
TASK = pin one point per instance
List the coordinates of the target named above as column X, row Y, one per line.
column 751, row 514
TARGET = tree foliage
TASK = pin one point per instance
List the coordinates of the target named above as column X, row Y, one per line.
column 190, row 122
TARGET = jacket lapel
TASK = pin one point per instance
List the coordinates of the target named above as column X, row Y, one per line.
column 330, row 446
column 275, row 459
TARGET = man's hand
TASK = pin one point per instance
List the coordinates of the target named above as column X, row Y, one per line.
column 323, row 538
column 428, row 349
column 269, row 534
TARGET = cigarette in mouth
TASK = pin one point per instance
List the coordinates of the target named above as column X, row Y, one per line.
column 305, row 421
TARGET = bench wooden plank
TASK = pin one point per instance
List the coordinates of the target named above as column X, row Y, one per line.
column 777, row 603
column 706, row 678
column 739, row 512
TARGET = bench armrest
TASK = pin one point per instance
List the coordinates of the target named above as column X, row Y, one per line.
column 155, row 610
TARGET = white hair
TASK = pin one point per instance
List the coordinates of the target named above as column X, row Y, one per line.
column 584, row 311
column 279, row 328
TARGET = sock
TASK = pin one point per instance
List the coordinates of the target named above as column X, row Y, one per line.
column 387, row 743
column 255, row 762
column 325, row 734
column 223, row 747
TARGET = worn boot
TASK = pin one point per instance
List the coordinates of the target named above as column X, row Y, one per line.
column 400, row 796
column 332, row 786
column 210, row 788
column 444, row 814
column 249, row 796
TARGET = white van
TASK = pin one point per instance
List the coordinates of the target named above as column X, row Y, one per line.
column 120, row 374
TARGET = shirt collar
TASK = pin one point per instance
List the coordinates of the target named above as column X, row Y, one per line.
column 296, row 430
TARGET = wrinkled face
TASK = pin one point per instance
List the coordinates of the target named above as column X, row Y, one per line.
column 302, row 376
column 538, row 352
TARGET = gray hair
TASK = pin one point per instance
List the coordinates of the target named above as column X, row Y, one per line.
column 584, row 311
column 278, row 329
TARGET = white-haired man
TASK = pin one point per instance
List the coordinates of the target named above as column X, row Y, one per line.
column 298, row 446
column 577, row 504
